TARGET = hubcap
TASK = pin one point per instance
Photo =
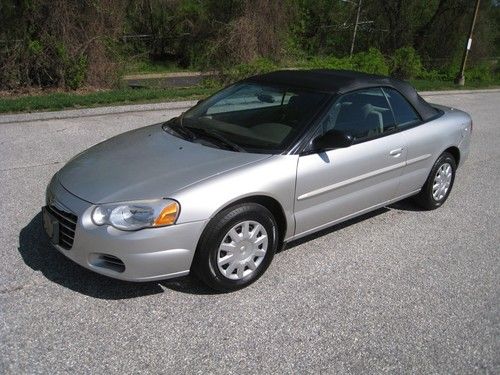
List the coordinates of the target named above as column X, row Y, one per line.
column 442, row 181
column 242, row 250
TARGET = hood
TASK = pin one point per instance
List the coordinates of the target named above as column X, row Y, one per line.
column 146, row 163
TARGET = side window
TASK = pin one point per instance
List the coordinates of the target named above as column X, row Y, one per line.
column 403, row 111
column 362, row 114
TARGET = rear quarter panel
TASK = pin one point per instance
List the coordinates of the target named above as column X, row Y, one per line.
column 428, row 141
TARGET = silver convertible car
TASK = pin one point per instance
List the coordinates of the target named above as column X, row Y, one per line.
column 265, row 161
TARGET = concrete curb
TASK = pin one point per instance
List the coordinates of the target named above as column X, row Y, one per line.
column 97, row 111
column 101, row 111
column 458, row 92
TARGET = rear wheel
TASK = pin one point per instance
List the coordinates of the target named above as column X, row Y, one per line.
column 236, row 247
column 439, row 183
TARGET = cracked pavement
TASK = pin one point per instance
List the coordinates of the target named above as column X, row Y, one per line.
column 398, row 290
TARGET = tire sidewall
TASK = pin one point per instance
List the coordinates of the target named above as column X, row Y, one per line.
column 214, row 234
column 444, row 158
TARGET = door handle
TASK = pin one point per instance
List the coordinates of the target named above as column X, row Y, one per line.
column 396, row 153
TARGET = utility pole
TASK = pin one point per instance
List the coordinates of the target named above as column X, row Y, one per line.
column 460, row 80
column 356, row 28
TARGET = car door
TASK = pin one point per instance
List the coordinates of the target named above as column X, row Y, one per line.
column 341, row 183
column 423, row 141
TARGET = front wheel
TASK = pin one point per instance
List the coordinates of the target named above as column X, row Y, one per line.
column 438, row 186
column 236, row 247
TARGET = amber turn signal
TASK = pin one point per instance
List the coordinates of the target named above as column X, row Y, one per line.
column 168, row 215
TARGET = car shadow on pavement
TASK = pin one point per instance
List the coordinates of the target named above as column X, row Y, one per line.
column 38, row 254
column 334, row 228
column 404, row 205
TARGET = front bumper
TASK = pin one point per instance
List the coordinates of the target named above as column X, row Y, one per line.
column 145, row 255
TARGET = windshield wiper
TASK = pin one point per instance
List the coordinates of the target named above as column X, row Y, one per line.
column 212, row 135
column 179, row 129
column 193, row 133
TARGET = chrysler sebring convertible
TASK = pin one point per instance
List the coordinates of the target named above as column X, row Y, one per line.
column 267, row 160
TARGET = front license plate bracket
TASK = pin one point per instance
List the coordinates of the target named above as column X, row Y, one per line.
column 50, row 225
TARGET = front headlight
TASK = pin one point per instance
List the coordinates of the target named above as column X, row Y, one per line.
column 137, row 215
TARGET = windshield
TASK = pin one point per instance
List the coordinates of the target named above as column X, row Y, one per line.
column 254, row 118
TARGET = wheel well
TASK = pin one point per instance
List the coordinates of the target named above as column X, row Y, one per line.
column 455, row 152
column 272, row 205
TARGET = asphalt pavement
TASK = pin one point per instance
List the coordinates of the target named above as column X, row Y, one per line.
column 396, row 291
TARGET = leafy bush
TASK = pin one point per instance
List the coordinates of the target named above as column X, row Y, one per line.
column 58, row 43
column 327, row 62
column 480, row 73
column 406, row 63
column 75, row 71
column 432, row 75
column 475, row 72
column 241, row 71
column 371, row 61
column 449, row 71
column 211, row 83
column 35, row 47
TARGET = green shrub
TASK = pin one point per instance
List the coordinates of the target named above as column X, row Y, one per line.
column 432, row 75
column 480, row 73
column 241, row 71
column 450, row 71
column 371, row 61
column 73, row 68
column 327, row 62
column 58, row 43
column 406, row 63
column 74, row 74
column 35, row 47
column 210, row 83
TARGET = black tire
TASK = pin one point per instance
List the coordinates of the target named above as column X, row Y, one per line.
column 205, row 260
column 425, row 198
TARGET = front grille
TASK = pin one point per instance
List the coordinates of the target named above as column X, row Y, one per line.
column 67, row 225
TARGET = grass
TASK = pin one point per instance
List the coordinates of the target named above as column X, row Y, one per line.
column 428, row 85
column 68, row 100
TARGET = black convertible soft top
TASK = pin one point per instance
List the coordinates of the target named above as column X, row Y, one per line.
column 342, row 81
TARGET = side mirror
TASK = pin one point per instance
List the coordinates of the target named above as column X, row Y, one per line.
column 332, row 139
